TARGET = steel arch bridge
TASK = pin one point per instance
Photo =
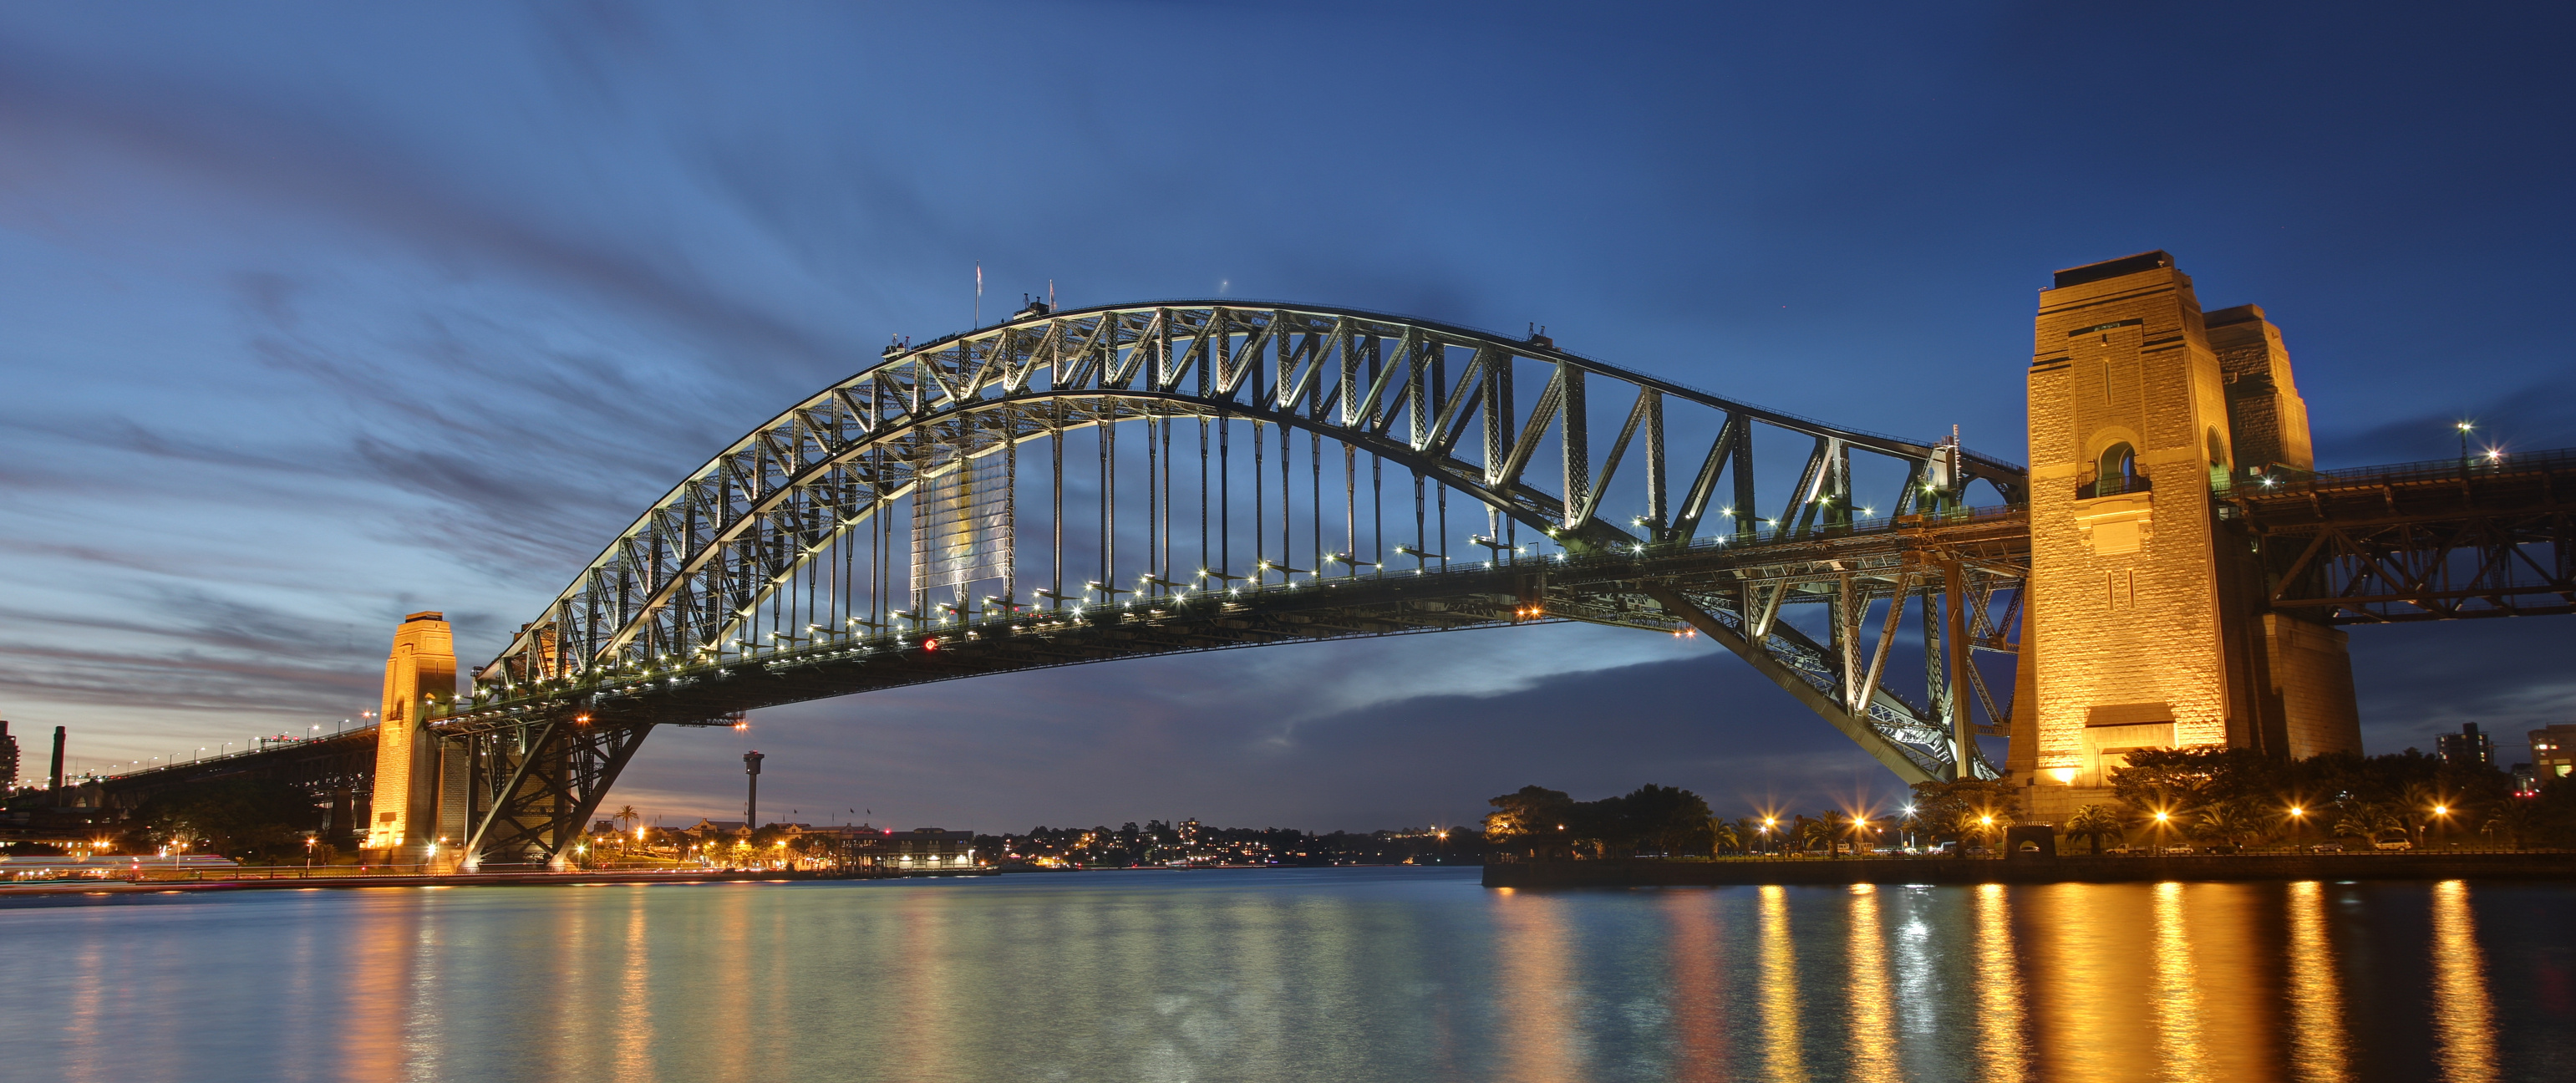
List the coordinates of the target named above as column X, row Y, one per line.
column 1131, row 480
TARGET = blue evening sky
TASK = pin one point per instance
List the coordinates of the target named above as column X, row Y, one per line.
column 314, row 315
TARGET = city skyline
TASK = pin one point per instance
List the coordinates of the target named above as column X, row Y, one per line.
column 291, row 368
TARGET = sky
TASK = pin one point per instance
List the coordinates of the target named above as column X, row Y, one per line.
column 315, row 315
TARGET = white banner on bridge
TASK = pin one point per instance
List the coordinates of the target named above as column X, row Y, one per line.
column 962, row 521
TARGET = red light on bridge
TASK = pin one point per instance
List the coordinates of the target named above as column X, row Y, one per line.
column 930, row 644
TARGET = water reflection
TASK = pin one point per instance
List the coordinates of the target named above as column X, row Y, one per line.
column 1871, row 1023
column 373, row 1046
column 2463, row 1017
column 1782, row 1059
column 1534, row 984
column 1999, row 997
column 2315, row 991
column 634, row 1015
column 1700, row 1046
column 1330, row 975
column 2177, row 989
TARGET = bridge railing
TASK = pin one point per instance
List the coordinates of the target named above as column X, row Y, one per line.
column 2423, row 470
column 267, row 746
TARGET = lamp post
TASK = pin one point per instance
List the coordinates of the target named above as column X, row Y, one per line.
column 2464, row 428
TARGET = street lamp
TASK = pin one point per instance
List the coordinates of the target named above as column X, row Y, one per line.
column 2464, row 428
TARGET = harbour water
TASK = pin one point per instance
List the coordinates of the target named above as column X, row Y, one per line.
column 1327, row 974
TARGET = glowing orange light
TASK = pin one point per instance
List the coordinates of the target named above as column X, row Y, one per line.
column 930, row 644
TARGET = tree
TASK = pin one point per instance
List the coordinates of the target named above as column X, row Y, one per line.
column 2094, row 822
column 243, row 818
column 627, row 817
column 1982, row 826
column 2226, row 821
column 1529, row 818
column 1723, row 836
column 1946, row 805
column 2515, row 819
column 1811, row 832
column 2367, row 820
column 1671, row 819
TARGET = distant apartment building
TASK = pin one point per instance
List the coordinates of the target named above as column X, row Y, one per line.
column 2553, row 751
column 2467, row 748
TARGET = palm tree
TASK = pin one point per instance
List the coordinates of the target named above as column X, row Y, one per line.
column 627, row 816
column 1723, row 835
column 2369, row 821
column 1814, row 831
column 1982, row 826
column 2419, row 800
column 2094, row 822
column 2516, row 817
column 2223, row 821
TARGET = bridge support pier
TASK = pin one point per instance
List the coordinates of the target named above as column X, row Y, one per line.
column 2147, row 623
column 417, row 810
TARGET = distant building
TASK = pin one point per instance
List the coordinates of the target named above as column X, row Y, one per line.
column 2525, row 780
column 706, row 831
column 2553, row 751
column 922, row 849
column 2467, row 748
column 8, row 759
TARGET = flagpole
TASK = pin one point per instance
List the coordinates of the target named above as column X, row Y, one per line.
column 979, row 293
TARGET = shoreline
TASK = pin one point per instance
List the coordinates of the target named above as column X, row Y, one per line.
column 2031, row 870
column 77, row 891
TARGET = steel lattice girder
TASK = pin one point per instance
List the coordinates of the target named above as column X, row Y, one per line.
column 535, row 785
column 2414, row 542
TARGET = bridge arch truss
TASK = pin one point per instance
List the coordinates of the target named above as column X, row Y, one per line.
column 1229, row 464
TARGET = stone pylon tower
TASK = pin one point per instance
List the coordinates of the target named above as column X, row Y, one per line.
column 416, row 777
column 2147, row 624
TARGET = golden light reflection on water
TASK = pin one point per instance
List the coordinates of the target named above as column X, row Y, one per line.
column 373, row 1043
column 2236, row 973
column 1699, row 1023
column 633, row 1019
column 2000, row 1051
column 2463, row 1016
column 2177, row 989
column 1311, row 976
column 925, row 1043
column 1872, row 1022
column 1783, row 1061
column 1534, row 979
column 2315, row 992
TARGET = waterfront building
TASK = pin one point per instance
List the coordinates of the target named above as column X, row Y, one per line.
column 2467, row 748
column 2553, row 751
